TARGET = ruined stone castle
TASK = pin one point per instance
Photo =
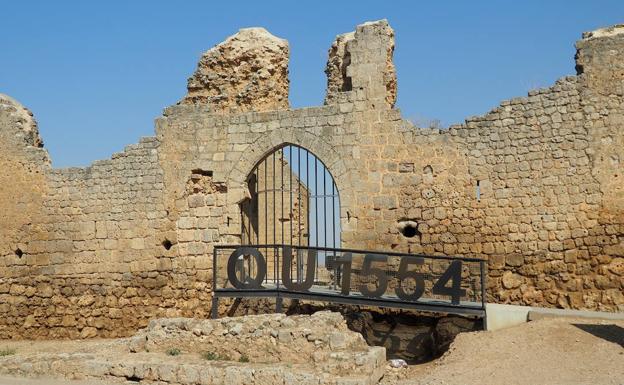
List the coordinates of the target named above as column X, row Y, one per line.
column 535, row 187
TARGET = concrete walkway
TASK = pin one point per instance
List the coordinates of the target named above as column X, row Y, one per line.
column 500, row 316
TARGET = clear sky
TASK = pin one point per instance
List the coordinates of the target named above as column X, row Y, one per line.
column 96, row 74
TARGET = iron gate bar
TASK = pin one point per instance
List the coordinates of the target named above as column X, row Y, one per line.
column 291, row 213
column 309, row 196
column 333, row 215
column 274, row 218
column 316, row 224
column 266, row 214
column 282, row 192
column 324, row 211
column 314, row 198
column 299, row 194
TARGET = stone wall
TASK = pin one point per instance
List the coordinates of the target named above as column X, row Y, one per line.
column 23, row 163
column 94, row 261
column 252, row 350
column 534, row 187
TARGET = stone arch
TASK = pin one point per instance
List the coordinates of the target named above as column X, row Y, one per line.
column 293, row 200
column 336, row 164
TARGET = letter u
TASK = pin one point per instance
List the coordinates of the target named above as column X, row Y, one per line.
column 286, row 267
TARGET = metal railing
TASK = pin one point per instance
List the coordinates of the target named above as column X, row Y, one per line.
column 360, row 277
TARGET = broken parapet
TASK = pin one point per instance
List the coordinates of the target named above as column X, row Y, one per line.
column 246, row 72
column 22, row 160
column 19, row 131
column 362, row 60
column 19, row 119
column 600, row 59
column 338, row 61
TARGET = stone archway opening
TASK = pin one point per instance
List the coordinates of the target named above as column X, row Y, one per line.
column 293, row 200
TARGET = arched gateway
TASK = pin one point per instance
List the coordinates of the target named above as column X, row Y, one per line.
column 293, row 201
column 290, row 248
column 292, row 216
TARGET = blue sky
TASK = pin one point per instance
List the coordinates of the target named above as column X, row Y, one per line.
column 96, row 74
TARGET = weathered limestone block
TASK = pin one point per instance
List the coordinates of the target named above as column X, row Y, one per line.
column 617, row 266
column 246, row 72
column 363, row 60
column 511, row 280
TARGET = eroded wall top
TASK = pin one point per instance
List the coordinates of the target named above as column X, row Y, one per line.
column 246, row 72
column 19, row 129
column 600, row 59
column 22, row 163
column 362, row 60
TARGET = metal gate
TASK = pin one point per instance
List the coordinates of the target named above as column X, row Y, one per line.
column 294, row 201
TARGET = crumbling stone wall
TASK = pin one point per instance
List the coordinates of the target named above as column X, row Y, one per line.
column 534, row 187
column 248, row 71
column 362, row 60
column 252, row 350
column 552, row 199
column 22, row 164
column 542, row 225
column 96, row 264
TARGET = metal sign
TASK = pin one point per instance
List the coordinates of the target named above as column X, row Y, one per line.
column 429, row 283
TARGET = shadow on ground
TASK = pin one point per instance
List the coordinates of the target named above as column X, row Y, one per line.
column 611, row 333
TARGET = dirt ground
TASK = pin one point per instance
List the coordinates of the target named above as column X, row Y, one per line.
column 549, row 351
column 46, row 381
